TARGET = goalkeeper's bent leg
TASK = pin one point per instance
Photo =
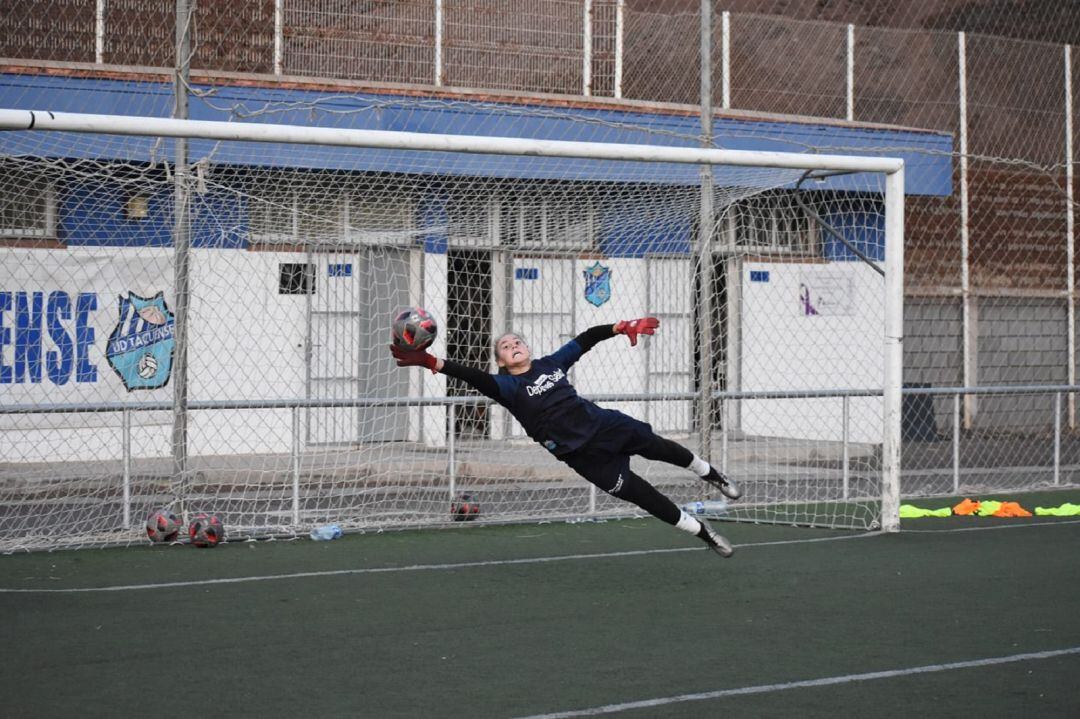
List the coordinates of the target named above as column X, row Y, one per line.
column 664, row 450
column 633, row 488
column 660, row 449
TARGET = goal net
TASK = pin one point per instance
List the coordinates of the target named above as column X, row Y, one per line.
column 195, row 316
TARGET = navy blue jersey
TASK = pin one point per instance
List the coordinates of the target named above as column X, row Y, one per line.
column 542, row 399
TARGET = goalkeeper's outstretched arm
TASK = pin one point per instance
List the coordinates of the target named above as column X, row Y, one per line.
column 567, row 355
column 482, row 381
column 593, row 336
column 631, row 328
column 514, row 354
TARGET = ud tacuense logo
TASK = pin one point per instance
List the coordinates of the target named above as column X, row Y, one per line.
column 597, row 284
column 140, row 348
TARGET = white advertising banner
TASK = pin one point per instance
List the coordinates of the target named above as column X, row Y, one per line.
column 84, row 326
column 814, row 327
column 825, row 295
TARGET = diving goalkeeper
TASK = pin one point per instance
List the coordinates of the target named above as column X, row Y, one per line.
column 595, row 442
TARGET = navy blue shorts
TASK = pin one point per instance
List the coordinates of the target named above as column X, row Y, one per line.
column 605, row 458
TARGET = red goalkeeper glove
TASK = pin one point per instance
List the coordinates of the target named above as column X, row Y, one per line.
column 414, row 358
column 633, row 328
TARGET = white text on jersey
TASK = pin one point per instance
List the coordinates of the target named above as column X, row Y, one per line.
column 544, row 382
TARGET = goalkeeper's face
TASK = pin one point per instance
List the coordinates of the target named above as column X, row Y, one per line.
column 513, row 353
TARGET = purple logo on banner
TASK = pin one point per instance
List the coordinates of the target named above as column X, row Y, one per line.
column 804, row 298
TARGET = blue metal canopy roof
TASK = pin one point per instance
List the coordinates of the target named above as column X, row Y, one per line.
column 927, row 155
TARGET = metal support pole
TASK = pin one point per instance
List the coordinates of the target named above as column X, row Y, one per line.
column 956, row 444
column 309, row 328
column 438, row 42
column 99, row 34
column 294, row 461
column 1057, row 438
column 705, row 227
column 724, row 435
column 586, row 50
column 125, row 442
column 850, row 72
column 893, row 350
column 968, row 320
column 181, row 256
column 451, row 449
column 725, row 59
column 619, row 17
column 1070, row 240
column 846, row 454
column 279, row 36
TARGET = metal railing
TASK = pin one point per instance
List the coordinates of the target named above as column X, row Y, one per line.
column 726, row 399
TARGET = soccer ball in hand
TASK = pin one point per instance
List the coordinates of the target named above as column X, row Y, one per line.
column 162, row 526
column 414, row 329
column 206, row 530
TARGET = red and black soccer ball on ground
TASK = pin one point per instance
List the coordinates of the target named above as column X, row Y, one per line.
column 206, row 530
column 414, row 329
column 162, row 526
column 464, row 508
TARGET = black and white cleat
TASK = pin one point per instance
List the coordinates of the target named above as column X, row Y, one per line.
column 717, row 542
column 721, row 481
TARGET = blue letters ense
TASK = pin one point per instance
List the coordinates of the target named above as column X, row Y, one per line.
column 33, row 316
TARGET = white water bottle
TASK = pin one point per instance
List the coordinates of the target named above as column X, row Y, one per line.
column 326, row 533
column 706, row 507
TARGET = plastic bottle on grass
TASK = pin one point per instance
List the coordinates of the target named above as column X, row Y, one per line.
column 706, row 507
column 326, row 533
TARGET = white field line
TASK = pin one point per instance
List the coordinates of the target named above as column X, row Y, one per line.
column 488, row 563
column 808, row 683
column 415, row 567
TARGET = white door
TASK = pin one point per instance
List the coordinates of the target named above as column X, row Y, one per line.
column 542, row 291
column 335, row 345
column 387, row 285
column 356, row 293
column 670, row 362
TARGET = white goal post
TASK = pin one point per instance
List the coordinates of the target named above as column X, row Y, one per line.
column 210, row 335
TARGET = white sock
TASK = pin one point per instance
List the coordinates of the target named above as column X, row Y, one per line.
column 699, row 466
column 688, row 524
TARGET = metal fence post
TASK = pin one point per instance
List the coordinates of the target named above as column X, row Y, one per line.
column 619, row 13
column 294, row 461
column 181, row 256
column 850, row 72
column 968, row 320
column 125, row 442
column 1070, row 241
column 956, row 444
column 846, row 471
column 1057, row 438
column 586, row 50
column 279, row 36
column 705, row 231
column 438, row 42
column 725, row 59
column 99, row 35
column 451, row 450
column 723, row 436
